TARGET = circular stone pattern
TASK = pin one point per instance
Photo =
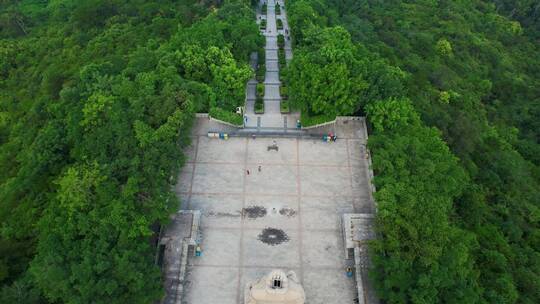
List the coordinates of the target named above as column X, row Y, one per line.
column 273, row 236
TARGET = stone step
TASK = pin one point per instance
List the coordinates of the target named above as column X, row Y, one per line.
column 277, row 49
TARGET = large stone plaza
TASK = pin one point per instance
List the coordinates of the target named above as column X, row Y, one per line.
column 272, row 201
column 285, row 216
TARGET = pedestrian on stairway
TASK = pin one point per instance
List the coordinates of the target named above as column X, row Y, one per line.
column 247, row 171
column 260, row 168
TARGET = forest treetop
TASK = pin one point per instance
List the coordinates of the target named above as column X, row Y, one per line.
column 97, row 99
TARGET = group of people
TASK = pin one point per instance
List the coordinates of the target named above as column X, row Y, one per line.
column 330, row 137
column 258, row 169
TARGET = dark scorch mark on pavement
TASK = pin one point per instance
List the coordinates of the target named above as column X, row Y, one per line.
column 254, row 212
column 273, row 236
column 221, row 214
column 288, row 212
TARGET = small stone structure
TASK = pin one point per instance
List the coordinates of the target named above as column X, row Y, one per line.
column 180, row 238
column 277, row 287
column 357, row 230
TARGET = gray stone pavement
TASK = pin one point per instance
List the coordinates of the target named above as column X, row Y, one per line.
column 302, row 190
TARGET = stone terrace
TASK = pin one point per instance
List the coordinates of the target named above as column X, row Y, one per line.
column 300, row 194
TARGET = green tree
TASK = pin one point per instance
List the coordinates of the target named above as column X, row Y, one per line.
column 470, row 70
column 302, row 17
column 444, row 48
column 228, row 79
column 325, row 77
column 110, row 88
column 392, row 114
column 420, row 257
column 92, row 246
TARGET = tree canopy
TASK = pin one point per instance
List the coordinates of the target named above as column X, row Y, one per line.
column 326, row 77
column 97, row 98
column 96, row 102
column 451, row 91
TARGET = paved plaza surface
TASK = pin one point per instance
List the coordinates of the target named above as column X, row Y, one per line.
column 287, row 215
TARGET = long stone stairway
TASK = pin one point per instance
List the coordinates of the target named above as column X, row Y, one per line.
column 272, row 120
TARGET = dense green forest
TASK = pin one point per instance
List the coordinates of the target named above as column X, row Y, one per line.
column 452, row 92
column 96, row 99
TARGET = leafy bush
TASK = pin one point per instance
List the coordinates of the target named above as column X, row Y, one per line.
column 279, row 24
column 263, row 24
column 281, row 41
column 308, row 121
column 260, row 89
column 284, row 92
column 261, row 71
column 230, row 117
column 261, row 55
column 259, row 105
column 278, row 9
column 281, row 58
column 283, row 75
column 285, row 107
column 264, row 9
column 261, row 67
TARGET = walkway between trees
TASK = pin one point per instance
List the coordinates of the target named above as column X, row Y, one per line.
column 272, row 117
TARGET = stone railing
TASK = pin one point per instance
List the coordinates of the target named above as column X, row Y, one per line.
column 206, row 115
column 369, row 168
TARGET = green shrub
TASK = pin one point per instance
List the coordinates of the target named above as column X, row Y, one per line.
column 261, row 71
column 261, row 55
column 283, row 74
column 281, row 58
column 278, row 9
column 260, row 89
column 279, row 24
column 281, row 41
column 264, row 9
column 284, row 92
column 259, row 105
column 285, row 107
column 230, row 117
column 263, row 24
column 308, row 121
